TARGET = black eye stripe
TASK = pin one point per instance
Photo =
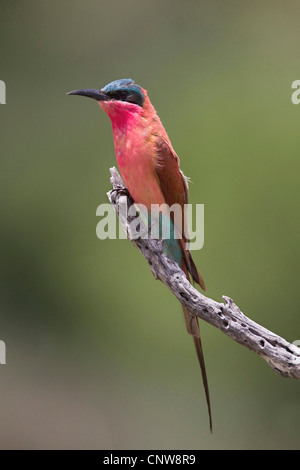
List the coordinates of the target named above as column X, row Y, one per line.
column 122, row 95
column 127, row 95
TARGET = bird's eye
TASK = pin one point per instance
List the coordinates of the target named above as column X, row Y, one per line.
column 121, row 95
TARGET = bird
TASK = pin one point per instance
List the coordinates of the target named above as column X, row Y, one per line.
column 151, row 171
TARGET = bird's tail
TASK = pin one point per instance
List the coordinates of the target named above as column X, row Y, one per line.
column 179, row 253
column 192, row 327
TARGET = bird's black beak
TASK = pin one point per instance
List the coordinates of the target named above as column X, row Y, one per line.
column 91, row 93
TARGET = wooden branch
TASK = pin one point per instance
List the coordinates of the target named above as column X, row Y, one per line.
column 282, row 356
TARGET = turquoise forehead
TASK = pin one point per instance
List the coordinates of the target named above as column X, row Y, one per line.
column 119, row 84
column 124, row 84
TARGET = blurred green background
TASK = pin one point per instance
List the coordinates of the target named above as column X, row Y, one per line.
column 97, row 352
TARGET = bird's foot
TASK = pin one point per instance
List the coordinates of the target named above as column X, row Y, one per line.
column 119, row 191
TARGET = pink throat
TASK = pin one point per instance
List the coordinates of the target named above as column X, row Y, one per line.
column 123, row 115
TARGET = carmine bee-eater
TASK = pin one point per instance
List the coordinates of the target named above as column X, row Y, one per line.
column 150, row 169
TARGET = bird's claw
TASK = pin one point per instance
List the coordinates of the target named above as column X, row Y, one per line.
column 119, row 191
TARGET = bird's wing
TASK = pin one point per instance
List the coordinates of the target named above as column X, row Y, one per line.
column 174, row 186
column 172, row 181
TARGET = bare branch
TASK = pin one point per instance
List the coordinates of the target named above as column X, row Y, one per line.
column 282, row 356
